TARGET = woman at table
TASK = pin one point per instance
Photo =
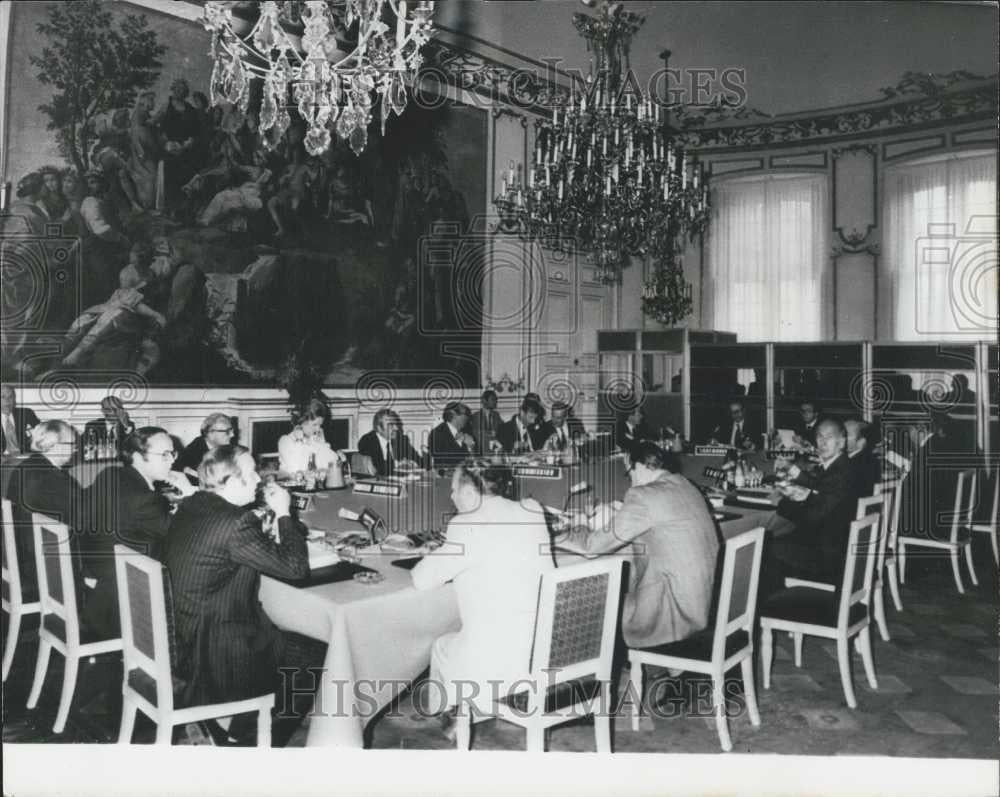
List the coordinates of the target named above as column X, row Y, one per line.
column 494, row 555
column 306, row 441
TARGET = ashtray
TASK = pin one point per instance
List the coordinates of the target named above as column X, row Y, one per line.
column 369, row 577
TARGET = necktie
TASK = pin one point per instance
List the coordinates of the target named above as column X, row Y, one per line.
column 737, row 431
column 11, row 434
column 388, row 455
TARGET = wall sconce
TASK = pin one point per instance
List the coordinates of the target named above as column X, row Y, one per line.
column 504, row 384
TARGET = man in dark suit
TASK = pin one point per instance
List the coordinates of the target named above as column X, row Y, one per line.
column 216, row 551
column 516, row 435
column 16, row 423
column 42, row 483
column 216, row 430
column 866, row 468
column 820, row 505
column 809, row 420
column 738, row 430
column 113, row 426
column 387, row 446
column 125, row 506
column 536, row 429
column 631, row 429
column 485, row 422
column 559, row 432
column 450, row 444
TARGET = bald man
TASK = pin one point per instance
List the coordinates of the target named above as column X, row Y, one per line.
column 820, row 505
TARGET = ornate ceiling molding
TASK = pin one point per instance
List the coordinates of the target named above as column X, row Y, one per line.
column 918, row 100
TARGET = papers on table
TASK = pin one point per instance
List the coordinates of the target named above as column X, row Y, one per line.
column 321, row 554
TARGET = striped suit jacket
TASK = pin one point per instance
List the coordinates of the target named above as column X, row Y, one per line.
column 227, row 647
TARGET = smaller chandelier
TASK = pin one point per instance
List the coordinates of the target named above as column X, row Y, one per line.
column 610, row 177
column 325, row 58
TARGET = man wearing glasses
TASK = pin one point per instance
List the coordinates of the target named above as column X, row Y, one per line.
column 126, row 507
column 216, row 430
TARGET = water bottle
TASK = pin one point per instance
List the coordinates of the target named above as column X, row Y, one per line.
column 740, row 476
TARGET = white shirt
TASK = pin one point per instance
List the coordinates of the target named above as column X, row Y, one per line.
column 522, row 432
column 455, row 433
column 293, row 455
column 384, row 443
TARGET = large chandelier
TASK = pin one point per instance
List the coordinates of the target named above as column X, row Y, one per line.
column 609, row 175
column 325, row 58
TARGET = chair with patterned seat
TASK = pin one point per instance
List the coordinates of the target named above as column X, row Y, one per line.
column 13, row 594
column 724, row 644
column 60, row 627
column 149, row 684
column 571, row 657
column 838, row 615
column 959, row 537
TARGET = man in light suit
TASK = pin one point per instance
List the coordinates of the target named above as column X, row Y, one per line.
column 386, row 445
column 665, row 526
column 216, row 551
column 16, row 423
column 485, row 422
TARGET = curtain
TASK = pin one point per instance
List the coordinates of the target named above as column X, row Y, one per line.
column 940, row 258
column 768, row 257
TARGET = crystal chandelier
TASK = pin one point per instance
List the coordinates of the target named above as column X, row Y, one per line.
column 325, row 58
column 609, row 175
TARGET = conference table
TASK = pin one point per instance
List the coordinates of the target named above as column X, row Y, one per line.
column 380, row 634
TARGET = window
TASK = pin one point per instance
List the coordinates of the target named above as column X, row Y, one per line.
column 767, row 257
column 940, row 261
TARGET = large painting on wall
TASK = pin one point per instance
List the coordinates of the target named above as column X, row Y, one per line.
column 150, row 234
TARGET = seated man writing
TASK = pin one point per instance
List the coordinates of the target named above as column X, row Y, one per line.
column 665, row 527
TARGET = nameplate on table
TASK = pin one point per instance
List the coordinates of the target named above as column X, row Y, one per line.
column 783, row 453
column 714, row 473
column 383, row 488
column 711, row 451
column 302, row 502
column 537, row 471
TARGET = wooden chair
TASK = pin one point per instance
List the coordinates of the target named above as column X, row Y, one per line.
column 959, row 537
column 989, row 527
column 149, row 685
column 60, row 623
column 837, row 615
column 13, row 597
column 890, row 564
column 724, row 644
column 880, row 504
column 571, row 657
